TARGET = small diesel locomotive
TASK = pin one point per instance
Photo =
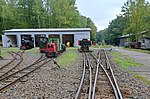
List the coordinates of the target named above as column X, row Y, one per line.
column 51, row 46
column 27, row 43
column 85, row 44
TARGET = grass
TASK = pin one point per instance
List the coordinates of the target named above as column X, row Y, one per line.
column 97, row 46
column 67, row 58
column 33, row 50
column 105, row 46
column 142, row 78
column 138, row 50
column 125, row 61
column 4, row 51
column 102, row 46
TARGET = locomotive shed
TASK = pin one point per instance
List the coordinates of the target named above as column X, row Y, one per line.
column 12, row 38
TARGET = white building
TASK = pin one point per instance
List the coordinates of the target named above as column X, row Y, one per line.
column 13, row 37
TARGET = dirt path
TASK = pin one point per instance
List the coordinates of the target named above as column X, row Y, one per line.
column 142, row 58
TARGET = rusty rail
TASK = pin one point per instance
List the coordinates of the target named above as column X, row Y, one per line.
column 114, row 79
column 13, row 82
column 36, row 62
column 83, row 75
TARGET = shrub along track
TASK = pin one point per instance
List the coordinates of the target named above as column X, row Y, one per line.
column 96, row 83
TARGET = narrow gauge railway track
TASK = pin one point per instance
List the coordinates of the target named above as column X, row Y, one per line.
column 105, row 86
column 13, row 78
column 78, row 95
column 101, row 79
column 85, row 87
column 13, row 64
column 109, row 69
column 12, row 55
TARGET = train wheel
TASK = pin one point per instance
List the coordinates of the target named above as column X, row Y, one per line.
column 55, row 55
column 48, row 54
column 23, row 48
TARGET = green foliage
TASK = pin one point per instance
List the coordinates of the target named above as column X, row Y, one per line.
column 91, row 25
column 138, row 17
column 68, row 58
column 134, row 19
column 123, row 60
column 142, row 78
column 4, row 51
column 42, row 14
column 115, row 29
column 139, row 50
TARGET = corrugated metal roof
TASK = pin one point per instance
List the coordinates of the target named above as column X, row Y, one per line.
column 127, row 35
column 49, row 30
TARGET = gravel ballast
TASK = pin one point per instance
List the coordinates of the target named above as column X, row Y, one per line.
column 51, row 82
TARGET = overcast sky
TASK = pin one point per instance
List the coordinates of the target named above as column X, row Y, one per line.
column 100, row 11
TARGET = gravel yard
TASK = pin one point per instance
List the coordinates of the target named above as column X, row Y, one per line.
column 51, row 82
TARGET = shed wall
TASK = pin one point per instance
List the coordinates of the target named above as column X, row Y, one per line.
column 77, row 35
column 4, row 40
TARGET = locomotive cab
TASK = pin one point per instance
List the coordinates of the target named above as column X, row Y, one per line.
column 84, row 43
column 51, row 46
column 51, row 50
column 43, row 44
column 27, row 43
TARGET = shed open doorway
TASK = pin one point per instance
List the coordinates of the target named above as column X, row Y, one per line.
column 37, row 39
column 68, row 38
column 11, row 40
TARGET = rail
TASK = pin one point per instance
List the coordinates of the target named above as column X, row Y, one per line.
column 15, row 81
column 107, row 71
column 114, row 79
column 23, row 74
column 13, row 67
column 83, row 75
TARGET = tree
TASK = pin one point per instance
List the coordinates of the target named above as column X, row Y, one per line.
column 43, row 14
column 115, row 30
column 91, row 25
column 138, row 13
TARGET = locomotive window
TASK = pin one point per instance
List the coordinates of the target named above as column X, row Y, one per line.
column 41, row 39
column 44, row 39
column 143, row 41
column 50, row 46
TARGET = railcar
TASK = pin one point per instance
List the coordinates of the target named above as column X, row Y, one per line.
column 136, row 45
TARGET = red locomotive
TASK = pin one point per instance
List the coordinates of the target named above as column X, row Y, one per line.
column 51, row 47
column 51, row 50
